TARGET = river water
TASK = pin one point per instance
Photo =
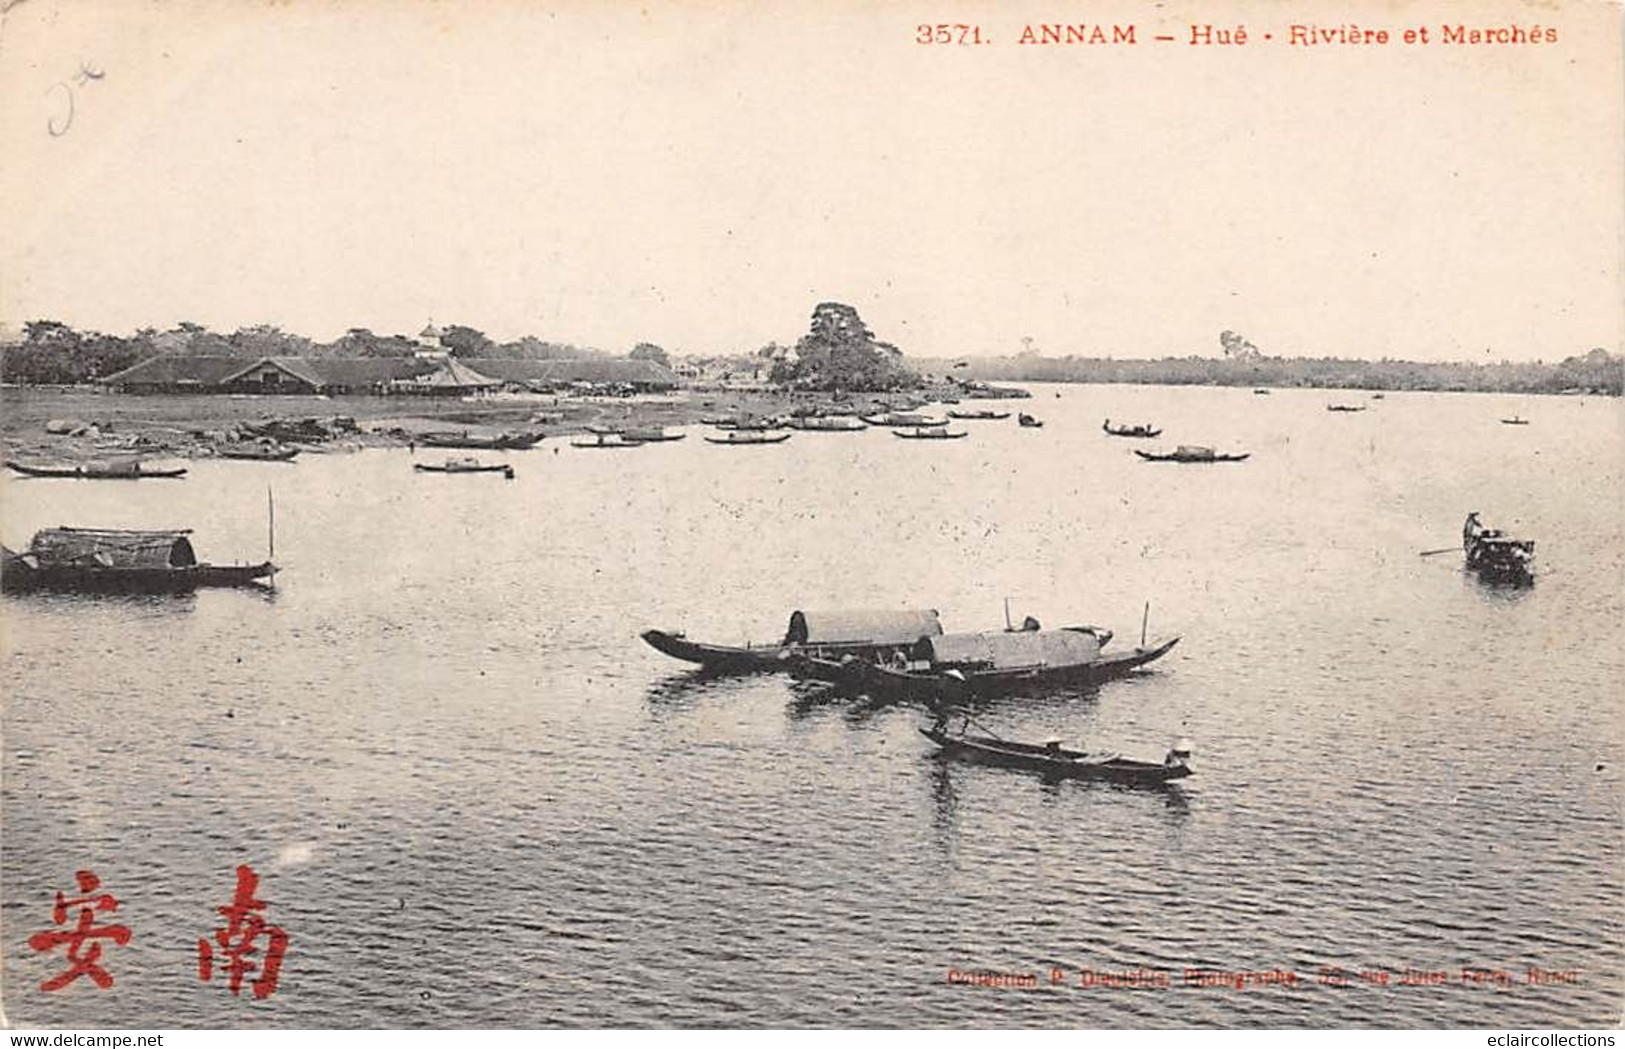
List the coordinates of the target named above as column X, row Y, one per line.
column 476, row 798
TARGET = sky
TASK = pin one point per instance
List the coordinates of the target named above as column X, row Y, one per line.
column 701, row 174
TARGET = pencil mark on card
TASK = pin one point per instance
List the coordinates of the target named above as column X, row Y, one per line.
column 63, row 104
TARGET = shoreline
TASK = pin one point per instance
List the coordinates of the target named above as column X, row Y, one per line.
column 192, row 426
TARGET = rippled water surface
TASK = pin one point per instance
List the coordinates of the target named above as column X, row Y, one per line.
column 476, row 798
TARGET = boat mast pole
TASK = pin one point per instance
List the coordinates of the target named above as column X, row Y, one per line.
column 1145, row 619
column 270, row 532
column 1007, row 626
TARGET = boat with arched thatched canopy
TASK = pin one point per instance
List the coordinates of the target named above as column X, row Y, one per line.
column 117, row 560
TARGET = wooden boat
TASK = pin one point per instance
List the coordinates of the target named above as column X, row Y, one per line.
column 123, row 470
column 1261, row 392
column 267, row 453
column 748, row 437
column 1029, row 421
column 1345, row 407
column 607, row 440
column 118, row 561
column 640, row 434
column 1052, row 759
column 829, row 633
column 931, row 433
column 1516, row 421
column 1190, row 453
column 742, row 422
column 978, row 413
column 903, row 419
column 1142, row 430
column 1496, row 556
column 465, row 466
column 968, row 666
column 498, row 442
column 828, row 423
column 1378, row 396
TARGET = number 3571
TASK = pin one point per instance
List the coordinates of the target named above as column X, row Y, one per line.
column 944, row 33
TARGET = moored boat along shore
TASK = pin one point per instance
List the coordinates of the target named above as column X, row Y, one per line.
column 78, row 423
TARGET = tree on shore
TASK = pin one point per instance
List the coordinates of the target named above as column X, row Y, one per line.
column 463, row 341
column 1237, row 348
column 267, row 340
column 839, row 352
column 53, row 353
column 648, row 351
column 361, row 342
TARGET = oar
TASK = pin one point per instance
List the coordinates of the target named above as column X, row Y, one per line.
column 1441, row 550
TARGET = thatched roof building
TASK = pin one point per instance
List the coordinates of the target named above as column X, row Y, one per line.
column 308, row 375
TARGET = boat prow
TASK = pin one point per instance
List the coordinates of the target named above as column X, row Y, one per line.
column 720, row 658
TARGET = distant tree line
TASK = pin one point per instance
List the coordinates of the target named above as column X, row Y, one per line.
column 837, row 353
column 1241, row 364
column 51, row 352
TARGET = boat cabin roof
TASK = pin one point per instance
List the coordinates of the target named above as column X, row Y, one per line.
column 112, row 548
column 862, row 626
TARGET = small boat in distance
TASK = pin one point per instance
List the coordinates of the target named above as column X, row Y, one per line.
column 640, row 434
column 1345, row 407
column 977, row 413
column 743, row 436
column 1028, row 421
column 1516, row 421
column 109, row 560
column 265, row 453
column 827, row 423
column 467, row 465
column 607, row 440
column 1190, row 453
column 908, row 419
column 1261, row 392
column 742, row 422
column 1496, row 556
column 860, row 632
column 1052, row 759
column 931, row 433
column 1378, row 396
column 1140, row 430
column 498, row 442
column 116, row 470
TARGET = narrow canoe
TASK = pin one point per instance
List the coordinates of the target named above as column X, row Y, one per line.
column 1062, row 763
column 931, row 435
column 93, row 471
column 749, row 437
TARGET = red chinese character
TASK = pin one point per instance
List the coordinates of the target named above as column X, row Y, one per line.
column 243, row 927
column 86, row 930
